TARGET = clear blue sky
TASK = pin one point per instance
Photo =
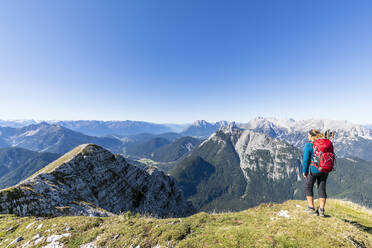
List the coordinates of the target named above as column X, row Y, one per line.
column 181, row 60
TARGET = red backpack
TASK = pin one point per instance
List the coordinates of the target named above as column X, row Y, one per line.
column 324, row 156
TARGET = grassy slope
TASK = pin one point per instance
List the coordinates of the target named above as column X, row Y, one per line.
column 349, row 225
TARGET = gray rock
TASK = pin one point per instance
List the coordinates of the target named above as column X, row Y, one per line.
column 54, row 237
column 37, row 236
column 27, row 244
column 39, row 240
column 89, row 245
column 15, row 241
column 54, row 245
column 11, row 229
column 30, row 225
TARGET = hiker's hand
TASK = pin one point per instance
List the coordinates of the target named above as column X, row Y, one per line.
column 305, row 175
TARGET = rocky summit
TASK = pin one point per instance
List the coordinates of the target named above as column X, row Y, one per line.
column 90, row 180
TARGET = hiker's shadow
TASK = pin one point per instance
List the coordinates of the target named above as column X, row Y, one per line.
column 359, row 226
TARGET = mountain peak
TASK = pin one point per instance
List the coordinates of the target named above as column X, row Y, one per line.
column 83, row 150
column 223, row 123
column 90, row 180
column 230, row 128
column 200, row 123
column 33, row 126
column 244, row 165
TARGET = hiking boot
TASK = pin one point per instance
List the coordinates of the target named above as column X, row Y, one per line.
column 311, row 211
column 321, row 212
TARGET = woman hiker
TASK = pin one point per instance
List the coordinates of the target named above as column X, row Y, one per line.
column 313, row 174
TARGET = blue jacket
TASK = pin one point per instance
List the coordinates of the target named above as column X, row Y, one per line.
column 308, row 154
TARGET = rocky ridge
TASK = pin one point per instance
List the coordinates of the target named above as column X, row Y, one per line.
column 259, row 151
column 90, row 180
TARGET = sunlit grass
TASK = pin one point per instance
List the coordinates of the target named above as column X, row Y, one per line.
column 347, row 225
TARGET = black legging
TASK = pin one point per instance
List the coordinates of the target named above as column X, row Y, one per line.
column 321, row 179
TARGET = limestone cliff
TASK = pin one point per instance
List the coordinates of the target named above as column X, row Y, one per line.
column 90, row 180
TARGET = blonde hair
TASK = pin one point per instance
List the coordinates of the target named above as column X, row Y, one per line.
column 315, row 134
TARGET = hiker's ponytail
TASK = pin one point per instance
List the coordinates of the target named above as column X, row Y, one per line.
column 315, row 134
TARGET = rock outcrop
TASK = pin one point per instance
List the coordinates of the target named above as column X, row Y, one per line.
column 235, row 169
column 89, row 180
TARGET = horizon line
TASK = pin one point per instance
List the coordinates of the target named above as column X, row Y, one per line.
column 174, row 123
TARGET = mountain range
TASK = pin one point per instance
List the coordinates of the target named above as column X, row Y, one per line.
column 203, row 129
column 25, row 150
column 18, row 123
column 103, row 128
column 44, row 137
column 235, row 169
column 350, row 139
column 125, row 128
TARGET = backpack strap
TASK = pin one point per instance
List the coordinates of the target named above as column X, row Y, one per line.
column 313, row 162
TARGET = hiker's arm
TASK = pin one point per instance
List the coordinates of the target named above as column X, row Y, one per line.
column 306, row 159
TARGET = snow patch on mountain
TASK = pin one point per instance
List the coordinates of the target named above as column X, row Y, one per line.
column 31, row 133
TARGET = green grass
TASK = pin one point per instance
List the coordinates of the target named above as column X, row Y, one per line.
column 347, row 226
